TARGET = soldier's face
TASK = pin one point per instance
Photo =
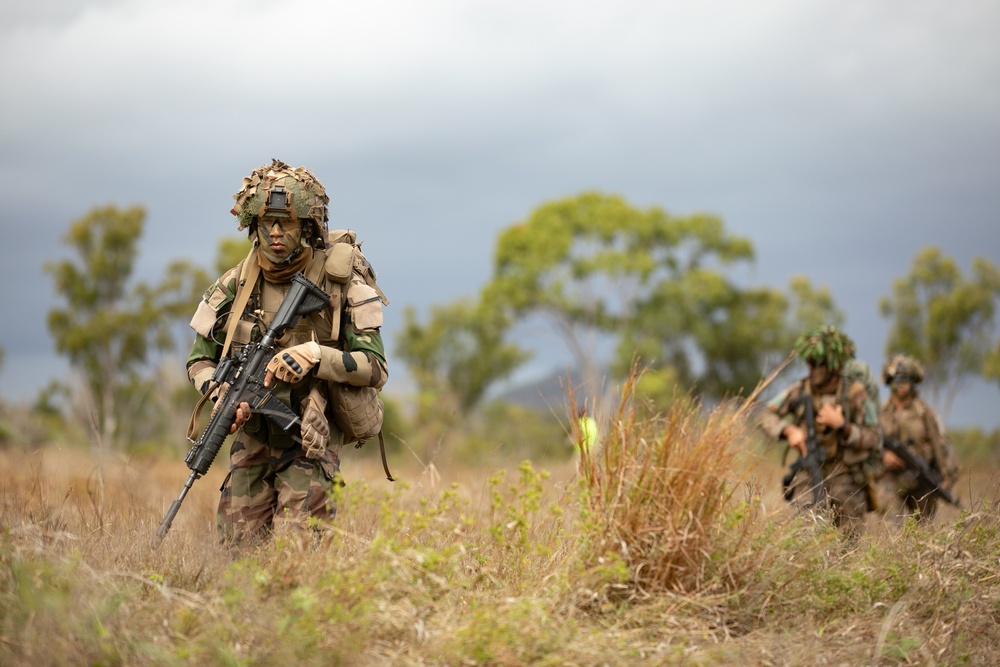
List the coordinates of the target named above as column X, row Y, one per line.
column 280, row 236
column 819, row 374
column 902, row 387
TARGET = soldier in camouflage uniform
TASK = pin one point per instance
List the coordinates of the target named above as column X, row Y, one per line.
column 907, row 417
column 846, row 424
column 278, row 479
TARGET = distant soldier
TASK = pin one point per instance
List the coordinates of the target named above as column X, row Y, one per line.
column 908, row 420
column 846, row 438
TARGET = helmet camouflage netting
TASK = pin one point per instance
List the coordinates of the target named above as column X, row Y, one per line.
column 902, row 365
column 825, row 346
column 305, row 197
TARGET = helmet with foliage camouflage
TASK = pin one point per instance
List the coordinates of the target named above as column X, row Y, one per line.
column 902, row 367
column 280, row 190
column 825, row 346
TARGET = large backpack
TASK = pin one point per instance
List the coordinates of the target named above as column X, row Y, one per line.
column 856, row 370
column 344, row 258
column 357, row 411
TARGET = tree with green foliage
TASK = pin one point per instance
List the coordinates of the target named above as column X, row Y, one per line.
column 812, row 307
column 946, row 320
column 109, row 329
column 991, row 369
column 596, row 266
column 458, row 353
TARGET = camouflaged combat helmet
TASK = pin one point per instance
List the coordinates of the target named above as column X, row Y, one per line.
column 280, row 190
column 825, row 346
column 902, row 367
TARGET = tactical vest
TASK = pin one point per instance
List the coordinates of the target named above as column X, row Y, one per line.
column 917, row 428
column 331, row 269
column 847, row 393
column 342, row 270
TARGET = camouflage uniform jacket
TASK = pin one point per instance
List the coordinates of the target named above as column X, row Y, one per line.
column 349, row 354
column 842, row 451
column 917, row 426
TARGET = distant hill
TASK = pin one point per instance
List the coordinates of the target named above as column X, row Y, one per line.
column 547, row 393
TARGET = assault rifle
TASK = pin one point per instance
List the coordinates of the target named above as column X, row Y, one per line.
column 928, row 477
column 242, row 377
column 812, row 462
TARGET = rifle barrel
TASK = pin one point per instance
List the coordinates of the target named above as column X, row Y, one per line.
column 168, row 519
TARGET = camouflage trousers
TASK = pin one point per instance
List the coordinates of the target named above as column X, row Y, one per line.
column 846, row 491
column 274, row 489
column 899, row 500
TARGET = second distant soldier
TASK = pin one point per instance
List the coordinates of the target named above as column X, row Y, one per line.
column 910, row 421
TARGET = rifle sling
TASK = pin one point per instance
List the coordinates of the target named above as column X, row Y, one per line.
column 249, row 270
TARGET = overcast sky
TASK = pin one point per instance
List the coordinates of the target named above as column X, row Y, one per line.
column 840, row 136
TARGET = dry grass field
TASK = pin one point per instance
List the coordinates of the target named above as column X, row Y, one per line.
column 671, row 546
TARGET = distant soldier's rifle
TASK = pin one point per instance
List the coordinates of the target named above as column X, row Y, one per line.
column 928, row 478
column 242, row 379
column 812, row 462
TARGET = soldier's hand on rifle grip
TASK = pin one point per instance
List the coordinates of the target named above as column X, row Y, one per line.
column 891, row 461
column 293, row 364
column 796, row 437
column 832, row 415
column 242, row 415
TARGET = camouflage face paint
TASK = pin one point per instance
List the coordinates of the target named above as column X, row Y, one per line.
column 902, row 386
column 279, row 237
column 819, row 374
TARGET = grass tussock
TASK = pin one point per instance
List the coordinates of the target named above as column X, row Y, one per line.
column 669, row 546
column 659, row 496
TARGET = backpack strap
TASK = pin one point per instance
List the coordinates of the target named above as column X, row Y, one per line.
column 249, row 272
column 385, row 464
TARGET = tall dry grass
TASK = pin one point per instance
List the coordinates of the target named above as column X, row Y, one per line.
column 671, row 546
column 659, row 494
